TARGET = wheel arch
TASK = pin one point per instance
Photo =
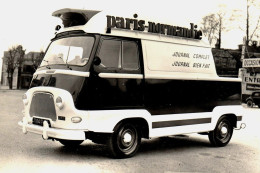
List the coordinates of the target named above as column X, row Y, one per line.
column 140, row 123
column 230, row 112
column 232, row 118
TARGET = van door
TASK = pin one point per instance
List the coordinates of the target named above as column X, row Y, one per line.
column 117, row 82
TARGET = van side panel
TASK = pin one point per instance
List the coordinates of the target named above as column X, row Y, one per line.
column 164, row 96
column 170, row 57
column 181, row 78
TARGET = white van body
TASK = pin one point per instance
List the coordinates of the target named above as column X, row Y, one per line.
column 171, row 86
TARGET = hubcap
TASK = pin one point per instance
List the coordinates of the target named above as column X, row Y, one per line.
column 127, row 138
column 224, row 130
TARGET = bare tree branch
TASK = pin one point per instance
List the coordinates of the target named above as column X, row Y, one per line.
column 256, row 28
column 13, row 60
column 36, row 59
column 209, row 26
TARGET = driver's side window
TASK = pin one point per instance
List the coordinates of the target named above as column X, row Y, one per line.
column 117, row 54
column 110, row 53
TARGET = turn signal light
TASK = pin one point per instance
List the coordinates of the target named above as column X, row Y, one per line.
column 76, row 119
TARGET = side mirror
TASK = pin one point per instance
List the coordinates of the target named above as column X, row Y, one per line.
column 57, row 28
column 97, row 61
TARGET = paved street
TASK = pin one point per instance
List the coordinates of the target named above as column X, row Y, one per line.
column 193, row 153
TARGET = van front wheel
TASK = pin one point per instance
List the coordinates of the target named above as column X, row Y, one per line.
column 125, row 141
column 222, row 134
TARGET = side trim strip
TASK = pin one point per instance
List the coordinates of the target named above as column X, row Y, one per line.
column 121, row 75
column 67, row 72
column 174, row 123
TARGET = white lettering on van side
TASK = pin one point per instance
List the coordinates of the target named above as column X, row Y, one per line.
column 181, row 54
column 181, row 64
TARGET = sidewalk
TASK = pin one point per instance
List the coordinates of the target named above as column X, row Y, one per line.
column 2, row 87
column 6, row 88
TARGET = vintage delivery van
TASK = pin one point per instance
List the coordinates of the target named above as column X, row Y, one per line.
column 117, row 79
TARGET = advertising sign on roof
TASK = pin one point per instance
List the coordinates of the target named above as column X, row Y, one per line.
column 140, row 25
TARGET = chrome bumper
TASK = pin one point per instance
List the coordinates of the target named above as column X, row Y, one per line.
column 48, row 132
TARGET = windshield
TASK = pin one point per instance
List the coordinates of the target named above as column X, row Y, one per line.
column 71, row 50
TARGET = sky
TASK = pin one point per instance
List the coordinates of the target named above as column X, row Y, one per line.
column 30, row 23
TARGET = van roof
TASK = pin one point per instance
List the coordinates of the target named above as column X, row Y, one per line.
column 130, row 25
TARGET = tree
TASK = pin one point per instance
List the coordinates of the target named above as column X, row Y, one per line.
column 214, row 24
column 19, row 62
column 223, row 20
column 252, row 18
column 36, row 59
column 209, row 27
column 14, row 59
column 251, row 3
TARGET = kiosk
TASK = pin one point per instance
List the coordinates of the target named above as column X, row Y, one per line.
column 251, row 82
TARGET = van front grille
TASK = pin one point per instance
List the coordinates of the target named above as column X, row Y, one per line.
column 42, row 105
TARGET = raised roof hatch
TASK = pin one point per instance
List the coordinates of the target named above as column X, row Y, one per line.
column 74, row 17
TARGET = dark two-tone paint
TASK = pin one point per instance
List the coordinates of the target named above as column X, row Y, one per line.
column 158, row 96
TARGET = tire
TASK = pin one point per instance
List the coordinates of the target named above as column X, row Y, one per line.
column 222, row 134
column 125, row 141
column 249, row 103
column 70, row 143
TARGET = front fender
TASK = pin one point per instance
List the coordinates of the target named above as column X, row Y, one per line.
column 104, row 121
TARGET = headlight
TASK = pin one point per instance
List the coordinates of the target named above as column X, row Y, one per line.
column 25, row 99
column 59, row 102
column 76, row 119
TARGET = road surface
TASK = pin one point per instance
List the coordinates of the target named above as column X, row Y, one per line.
column 189, row 153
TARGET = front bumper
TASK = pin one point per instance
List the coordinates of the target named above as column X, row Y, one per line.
column 48, row 132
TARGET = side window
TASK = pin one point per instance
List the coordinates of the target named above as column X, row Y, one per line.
column 130, row 58
column 110, row 53
column 119, row 54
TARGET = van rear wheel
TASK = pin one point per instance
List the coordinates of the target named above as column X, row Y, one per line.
column 125, row 141
column 222, row 134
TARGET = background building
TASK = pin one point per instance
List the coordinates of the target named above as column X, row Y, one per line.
column 228, row 61
column 29, row 66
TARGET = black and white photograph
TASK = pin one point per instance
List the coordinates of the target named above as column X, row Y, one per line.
column 130, row 86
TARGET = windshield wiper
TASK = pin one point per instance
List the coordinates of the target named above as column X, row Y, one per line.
column 67, row 65
column 47, row 66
